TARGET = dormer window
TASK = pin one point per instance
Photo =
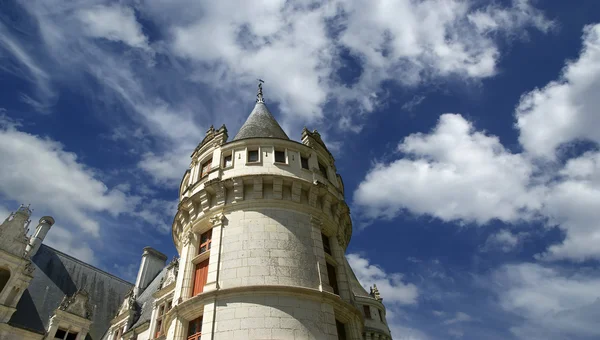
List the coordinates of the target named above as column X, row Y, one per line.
column 206, row 168
column 253, row 156
column 228, row 161
column 280, row 156
column 304, row 162
column 64, row 334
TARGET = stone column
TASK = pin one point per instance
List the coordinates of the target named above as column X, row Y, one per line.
column 215, row 253
column 81, row 335
column 52, row 327
column 183, row 285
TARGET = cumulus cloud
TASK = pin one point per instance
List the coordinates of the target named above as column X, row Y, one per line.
column 393, row 289
column 69, row 190
column 552, row 303
column 113, row 22
column 390, row 285
column 298, row 47
column 474, row 178
column 504, row 240
column 565, row 109
column 456, row 173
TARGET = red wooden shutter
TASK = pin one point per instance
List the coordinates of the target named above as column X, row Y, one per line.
column 200, row 277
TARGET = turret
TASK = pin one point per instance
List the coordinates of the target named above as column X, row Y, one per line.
column 14, row 231
column 38, row 237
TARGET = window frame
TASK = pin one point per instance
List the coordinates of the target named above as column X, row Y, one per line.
column 203, row 167
column 207, row 243
column 332, row 273
column 323, row 170
column 196, row 335
column 163, row 307
column 367, row 312
column 307, row 162
column 340, row 326
column 228, row 154
column 285, row 156
column 326, row 244
column 258, row 157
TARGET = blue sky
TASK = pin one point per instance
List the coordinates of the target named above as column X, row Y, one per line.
column 466, row 133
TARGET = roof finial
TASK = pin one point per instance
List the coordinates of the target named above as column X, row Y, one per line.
column 259, row 96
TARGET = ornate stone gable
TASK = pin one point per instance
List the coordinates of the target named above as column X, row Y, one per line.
column 128, row 303
column 171, row 274
column 77, row 304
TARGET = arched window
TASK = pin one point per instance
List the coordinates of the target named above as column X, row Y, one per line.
column 4, row 276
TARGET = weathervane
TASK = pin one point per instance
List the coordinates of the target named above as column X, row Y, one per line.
column 259, row 96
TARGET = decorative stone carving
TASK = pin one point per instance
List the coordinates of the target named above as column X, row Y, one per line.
column 29, row 268
column 128, row 303
column 375, row 293
column 217, row 219
column 77, row 304
column 171, row 274
column 189, row 238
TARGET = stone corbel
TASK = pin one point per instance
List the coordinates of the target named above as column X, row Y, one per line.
column 190, row 237
column 312, row 196
column 217, row 219
column 296, row 191
column 238, row 189
column 277, row 188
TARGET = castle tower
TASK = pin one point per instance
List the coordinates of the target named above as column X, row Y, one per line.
column 15, row 266
column 261, row 229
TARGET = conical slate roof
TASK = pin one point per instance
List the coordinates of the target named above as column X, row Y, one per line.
column 260, row 123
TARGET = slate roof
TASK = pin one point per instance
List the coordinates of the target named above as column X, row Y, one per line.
column 260, row 123
column 355, row 285
column 56, row 275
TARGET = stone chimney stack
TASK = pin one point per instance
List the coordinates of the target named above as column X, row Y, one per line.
column 153, row 262
column 35, row 241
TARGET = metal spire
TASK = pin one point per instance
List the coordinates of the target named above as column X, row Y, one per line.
column 259, row 96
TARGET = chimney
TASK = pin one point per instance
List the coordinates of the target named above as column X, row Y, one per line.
column 153, row 262
column 35, row 241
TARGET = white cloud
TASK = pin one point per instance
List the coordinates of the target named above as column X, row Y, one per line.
column 503, row 240
column 27, row 68
column 113, row 22
column 390, row 285
column 566, row 109
column 69, row 189
column 454, row 173
column 458, row 174
column 459, row 317
column 552, row 303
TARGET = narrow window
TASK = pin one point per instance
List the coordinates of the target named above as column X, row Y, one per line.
column 280, row 156
column 304, row 162
column 252, row 156
column 195, row 329
column 367, row 311
column 341, row 330
column 4, row 276
column 200, row 275
column 159, row 317
column 205, row 241
column 323, row 170
column 381, row 316
column 332, row 278
column 326, row 246
column 206, row 168
column 71, row 336
column 228, row 161
column 60, row 334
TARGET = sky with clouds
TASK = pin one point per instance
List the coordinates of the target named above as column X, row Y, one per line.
column 466, row 132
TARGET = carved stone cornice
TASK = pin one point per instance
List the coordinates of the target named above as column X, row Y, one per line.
column 217, row 219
